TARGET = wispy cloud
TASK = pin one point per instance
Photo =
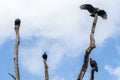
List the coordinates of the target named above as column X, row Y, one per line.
column 57, row 78
column 115, row 72
column 32, row 61
column 59, row 26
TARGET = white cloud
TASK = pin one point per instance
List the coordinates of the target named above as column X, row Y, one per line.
column 68, row 77
column 31, row 60
column 57, row 78
column 59, row 26
column 115, row 72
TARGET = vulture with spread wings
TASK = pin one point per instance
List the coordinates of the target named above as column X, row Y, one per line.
column 94, row 10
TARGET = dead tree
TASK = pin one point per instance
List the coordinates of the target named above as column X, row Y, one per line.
column 44, row 56
column 16, row 64
column 95, row 12
column 88, row 50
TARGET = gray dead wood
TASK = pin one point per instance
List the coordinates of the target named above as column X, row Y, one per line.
column 88, row 50
column 16, row 64
column 46, row 70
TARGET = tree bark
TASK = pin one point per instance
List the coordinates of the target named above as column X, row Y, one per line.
column 88, row 50
column 46, row 70
column 16, row 65
column 92, row 74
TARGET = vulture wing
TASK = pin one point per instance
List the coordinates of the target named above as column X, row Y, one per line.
column 88, row 7
column 96, row 68
column 93, row 64
column 103, row 14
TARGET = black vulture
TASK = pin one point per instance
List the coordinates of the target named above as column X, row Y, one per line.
column 93, row 64
column 94, row 10
column 44, row 56
column 17, row 22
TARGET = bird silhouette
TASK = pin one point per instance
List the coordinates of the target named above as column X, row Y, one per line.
column 44, row 56
column 94, row 10
column 17, row 22
column 93, row 64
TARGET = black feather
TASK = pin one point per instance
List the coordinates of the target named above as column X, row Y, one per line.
column 44, row 56
column 103, row 14
column 93, row 64
column 17, row 22
column 94, row 10
column 88, row 7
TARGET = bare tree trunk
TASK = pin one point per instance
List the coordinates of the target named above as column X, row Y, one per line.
column 92, row 74
column 16, row 65
column 88, row 50
column 46, row 70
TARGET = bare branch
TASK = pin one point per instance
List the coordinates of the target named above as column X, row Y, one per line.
column 92, row 74
column 46, row 70
column 12, row 76
column 88, row 50
column 16, row 65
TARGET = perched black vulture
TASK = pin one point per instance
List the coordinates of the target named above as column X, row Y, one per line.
column 93, row 64
column 94, row 10
column 44, row 56
column 17, row 22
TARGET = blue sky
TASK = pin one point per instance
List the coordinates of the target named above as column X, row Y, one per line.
column 61, row 29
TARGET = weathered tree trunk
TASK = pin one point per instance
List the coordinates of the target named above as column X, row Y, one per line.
column 16, row 65
column 88, row 50
column 46, row 70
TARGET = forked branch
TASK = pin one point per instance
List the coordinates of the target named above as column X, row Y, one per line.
column 88, row 50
